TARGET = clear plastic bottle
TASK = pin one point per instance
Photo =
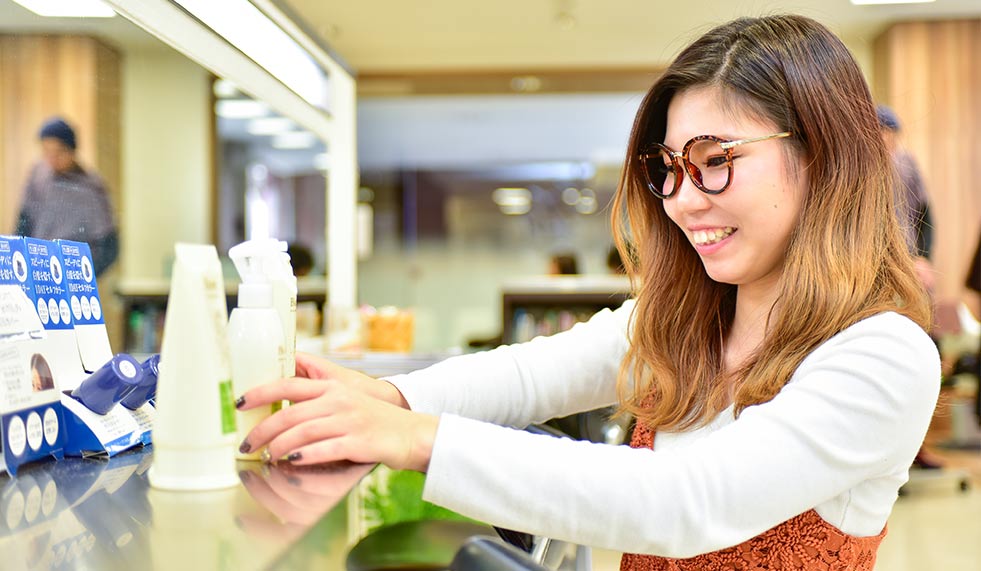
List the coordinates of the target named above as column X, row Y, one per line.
column 256, row 347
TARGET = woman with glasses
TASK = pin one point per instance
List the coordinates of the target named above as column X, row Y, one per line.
column 774, row 357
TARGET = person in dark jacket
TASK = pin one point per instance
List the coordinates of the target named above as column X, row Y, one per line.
column 63, row 200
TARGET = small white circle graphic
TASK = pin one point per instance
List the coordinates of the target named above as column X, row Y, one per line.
column 76, row 308
column 53, row 312
column 127, row 369
column 42, row 311
column 56, row 273
column 86, row 308
column 20, row 267
column 50, row 426
column 35, row 433
column 16, row 435
column 87, row 269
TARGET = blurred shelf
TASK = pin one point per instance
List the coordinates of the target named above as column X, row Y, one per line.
column 546, row 305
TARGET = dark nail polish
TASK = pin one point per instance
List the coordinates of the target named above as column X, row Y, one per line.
column 245, row 447
column 239, row 402
column 294, row 457
column 245, row 476
column 294, row 481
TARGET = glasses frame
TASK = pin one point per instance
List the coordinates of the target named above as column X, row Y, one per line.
column 681, row 164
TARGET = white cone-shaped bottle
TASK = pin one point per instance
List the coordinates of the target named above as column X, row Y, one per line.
column 194, row 425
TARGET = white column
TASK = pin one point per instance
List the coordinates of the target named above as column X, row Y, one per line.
column 342, row 193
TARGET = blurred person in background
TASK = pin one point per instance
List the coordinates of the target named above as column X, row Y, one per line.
column 614, row 263
column 913, row 210
column 912, row 201
column 564, row 264
column 301, row 259
column 973, row 284
column 63, row 200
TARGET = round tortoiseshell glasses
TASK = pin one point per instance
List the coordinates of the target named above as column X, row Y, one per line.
column 707, row 159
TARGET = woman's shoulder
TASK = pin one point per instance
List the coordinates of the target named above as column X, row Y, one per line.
column 888, row 324
column 885, row 338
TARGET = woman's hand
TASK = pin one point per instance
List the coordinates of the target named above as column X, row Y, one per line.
column 298, row 497
column 338, row 419
column 311, row 367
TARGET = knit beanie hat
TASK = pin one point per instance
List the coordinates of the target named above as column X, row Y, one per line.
column 57, row 128
column 887, row 118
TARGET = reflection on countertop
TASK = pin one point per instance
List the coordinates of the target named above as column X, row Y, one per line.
column 102, row 514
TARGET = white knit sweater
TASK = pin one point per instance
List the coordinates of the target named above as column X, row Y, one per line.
column 838, row 438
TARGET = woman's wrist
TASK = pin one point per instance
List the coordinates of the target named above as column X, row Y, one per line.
column 393, row 395
column 423, row 439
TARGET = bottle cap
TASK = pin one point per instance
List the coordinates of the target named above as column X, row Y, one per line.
column 110, row 384
column 147, row 388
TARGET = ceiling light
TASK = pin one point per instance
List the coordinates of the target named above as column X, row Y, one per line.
column 515, row 209
column 270, row 125
column 321, row 162
column 570, row 196
column 870, row 2
column 241, row 108
column 68, row 8
column 587, row 205
column 512, row 197
column 294, row 140
column 261, row 39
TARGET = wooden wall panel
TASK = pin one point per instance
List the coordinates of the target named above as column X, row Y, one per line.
column 76, row 77
column 930, row 73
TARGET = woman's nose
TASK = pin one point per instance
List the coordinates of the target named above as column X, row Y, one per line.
column 689, row 198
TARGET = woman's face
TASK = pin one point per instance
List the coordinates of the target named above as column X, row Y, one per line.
column 742, row 234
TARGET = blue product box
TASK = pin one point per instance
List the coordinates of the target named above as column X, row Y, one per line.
column 32, row 423
column 85, row 304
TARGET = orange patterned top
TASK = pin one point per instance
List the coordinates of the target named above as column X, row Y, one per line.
column 803, row 543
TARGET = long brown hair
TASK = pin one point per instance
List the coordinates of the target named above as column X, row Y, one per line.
column 846, row 260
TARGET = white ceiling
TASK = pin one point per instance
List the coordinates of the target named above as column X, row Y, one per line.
column 376, row 35
column 452, row 35
column 460, row 132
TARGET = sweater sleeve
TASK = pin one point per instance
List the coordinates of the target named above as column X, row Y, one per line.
column 517, row 385
column 856, row 409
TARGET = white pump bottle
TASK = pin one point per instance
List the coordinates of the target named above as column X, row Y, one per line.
column 256, row 344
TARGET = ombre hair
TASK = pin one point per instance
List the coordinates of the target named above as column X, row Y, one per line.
column 846, row 259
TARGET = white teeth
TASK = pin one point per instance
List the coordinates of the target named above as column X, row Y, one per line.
column 705, row 237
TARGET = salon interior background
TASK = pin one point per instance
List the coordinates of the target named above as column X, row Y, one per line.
column 455, row 100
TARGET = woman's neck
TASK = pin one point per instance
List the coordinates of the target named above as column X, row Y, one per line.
column 753, row 306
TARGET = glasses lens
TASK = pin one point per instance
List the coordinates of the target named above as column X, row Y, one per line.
column 660, row 172
column 709, row 159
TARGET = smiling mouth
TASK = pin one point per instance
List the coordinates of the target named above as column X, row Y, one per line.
column 708, row 237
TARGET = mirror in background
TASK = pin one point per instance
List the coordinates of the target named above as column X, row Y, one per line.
column 271, row 179
column 143, row 117
column 470, row 193
column 129, row 105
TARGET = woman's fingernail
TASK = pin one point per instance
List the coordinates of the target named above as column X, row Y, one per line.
column 245, row 447
column 294, row 457
column 240, row 402
column 245, row 476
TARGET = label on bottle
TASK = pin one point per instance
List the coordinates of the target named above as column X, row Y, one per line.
column 227, row 401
